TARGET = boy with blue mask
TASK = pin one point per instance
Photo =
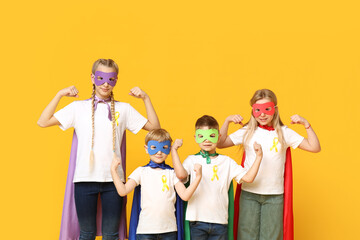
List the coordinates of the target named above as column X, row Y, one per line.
column 207, row 210
column 158, row 182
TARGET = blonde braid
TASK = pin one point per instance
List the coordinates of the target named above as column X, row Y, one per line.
column 113, row 120
column 93, row 129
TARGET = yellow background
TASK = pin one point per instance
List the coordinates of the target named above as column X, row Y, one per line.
column 192, row 58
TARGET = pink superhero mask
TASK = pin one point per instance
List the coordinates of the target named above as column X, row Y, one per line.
column 267, row 108
column 102, row 77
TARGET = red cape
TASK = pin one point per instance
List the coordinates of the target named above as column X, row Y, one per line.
column 288, row 200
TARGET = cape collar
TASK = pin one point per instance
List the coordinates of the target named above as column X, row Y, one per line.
column 269, row 128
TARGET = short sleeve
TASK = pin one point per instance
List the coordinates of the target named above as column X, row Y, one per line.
column 66, row 116
column 136, row 175
column 188, row 165
column 175, row 179
column 238, row 136
column 292, row 138
column 134, row 120
column 237, row 172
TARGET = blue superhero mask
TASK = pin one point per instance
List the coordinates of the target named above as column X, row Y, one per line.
column 155, row 146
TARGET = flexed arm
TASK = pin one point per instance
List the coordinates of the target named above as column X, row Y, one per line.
column 311, row 143
column 122, row 189
column 179, row 169
column 47, row 118
column 153, row 120
column 186, row 193
column 251, row 174
column 224, row 139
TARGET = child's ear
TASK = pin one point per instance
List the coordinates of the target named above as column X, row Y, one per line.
column 93, row 78
column 146, row 149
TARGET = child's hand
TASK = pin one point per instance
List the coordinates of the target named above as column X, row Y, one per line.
column 237, row 119
column 198, row 170
column 177, row 144
column 69, row 92
column 296, row 119
column 138, row 93
column 116, row 162
column 258, row 149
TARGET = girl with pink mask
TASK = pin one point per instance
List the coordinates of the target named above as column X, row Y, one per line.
column 99, row 136
column 265, row 205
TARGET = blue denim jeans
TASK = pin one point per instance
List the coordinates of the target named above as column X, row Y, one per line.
column 86, row 198
column 261, row 216
column 159, row 236
column 211, row 231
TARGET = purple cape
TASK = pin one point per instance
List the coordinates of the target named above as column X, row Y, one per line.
column 70, row 229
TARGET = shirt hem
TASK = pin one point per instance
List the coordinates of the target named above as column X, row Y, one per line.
column 156, row 232
column 264, row 193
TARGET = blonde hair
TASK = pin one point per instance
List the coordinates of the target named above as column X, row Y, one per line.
column 112, row 64
column 276, row 121
column 159, row 135
column 105, row 62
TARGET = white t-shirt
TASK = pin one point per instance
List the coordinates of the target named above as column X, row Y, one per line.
column 209, row 203
column 270, row 178
column 78, row 115
column 157, row 200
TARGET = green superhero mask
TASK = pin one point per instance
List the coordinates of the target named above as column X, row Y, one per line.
column 205, row 134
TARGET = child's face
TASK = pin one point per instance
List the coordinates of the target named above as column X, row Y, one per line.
column 264, row 119
column 103, row 91
column 207, row 145
column 158, row 156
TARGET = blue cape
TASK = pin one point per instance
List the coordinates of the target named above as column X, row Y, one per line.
column 136, row 208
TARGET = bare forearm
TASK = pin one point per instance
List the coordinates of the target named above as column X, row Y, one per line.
column 251, row 174
column 153, row 120
column 186, row 193
column 120, row 186
column 313, row 140
column 191, row 189
column 47, row 114
column 311, row 143
column 180, row 171
column 223, row 132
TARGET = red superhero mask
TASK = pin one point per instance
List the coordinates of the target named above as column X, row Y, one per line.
column 267, row 108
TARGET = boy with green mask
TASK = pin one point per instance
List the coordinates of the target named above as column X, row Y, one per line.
column 207, row 210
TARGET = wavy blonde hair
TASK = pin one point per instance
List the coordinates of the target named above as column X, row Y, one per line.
column 276, row 121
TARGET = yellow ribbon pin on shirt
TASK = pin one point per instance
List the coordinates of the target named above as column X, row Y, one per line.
column 164, row 183
column 275, row 142
column 117, row 115
column 215, row 169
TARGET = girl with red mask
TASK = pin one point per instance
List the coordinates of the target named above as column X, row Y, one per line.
column 265, row 205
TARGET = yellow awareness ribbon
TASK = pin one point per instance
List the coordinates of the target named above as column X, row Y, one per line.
column 275, row 142
column 215, row 169
column 117, row 115
column 164, row 183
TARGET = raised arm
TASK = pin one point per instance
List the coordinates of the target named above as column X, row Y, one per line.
column 180, row 171
column 122, row 189
column 47, row 118
column 311, row 143
column 153, row 121
column 186, row 193
column 224, row 139
column 251, row 174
